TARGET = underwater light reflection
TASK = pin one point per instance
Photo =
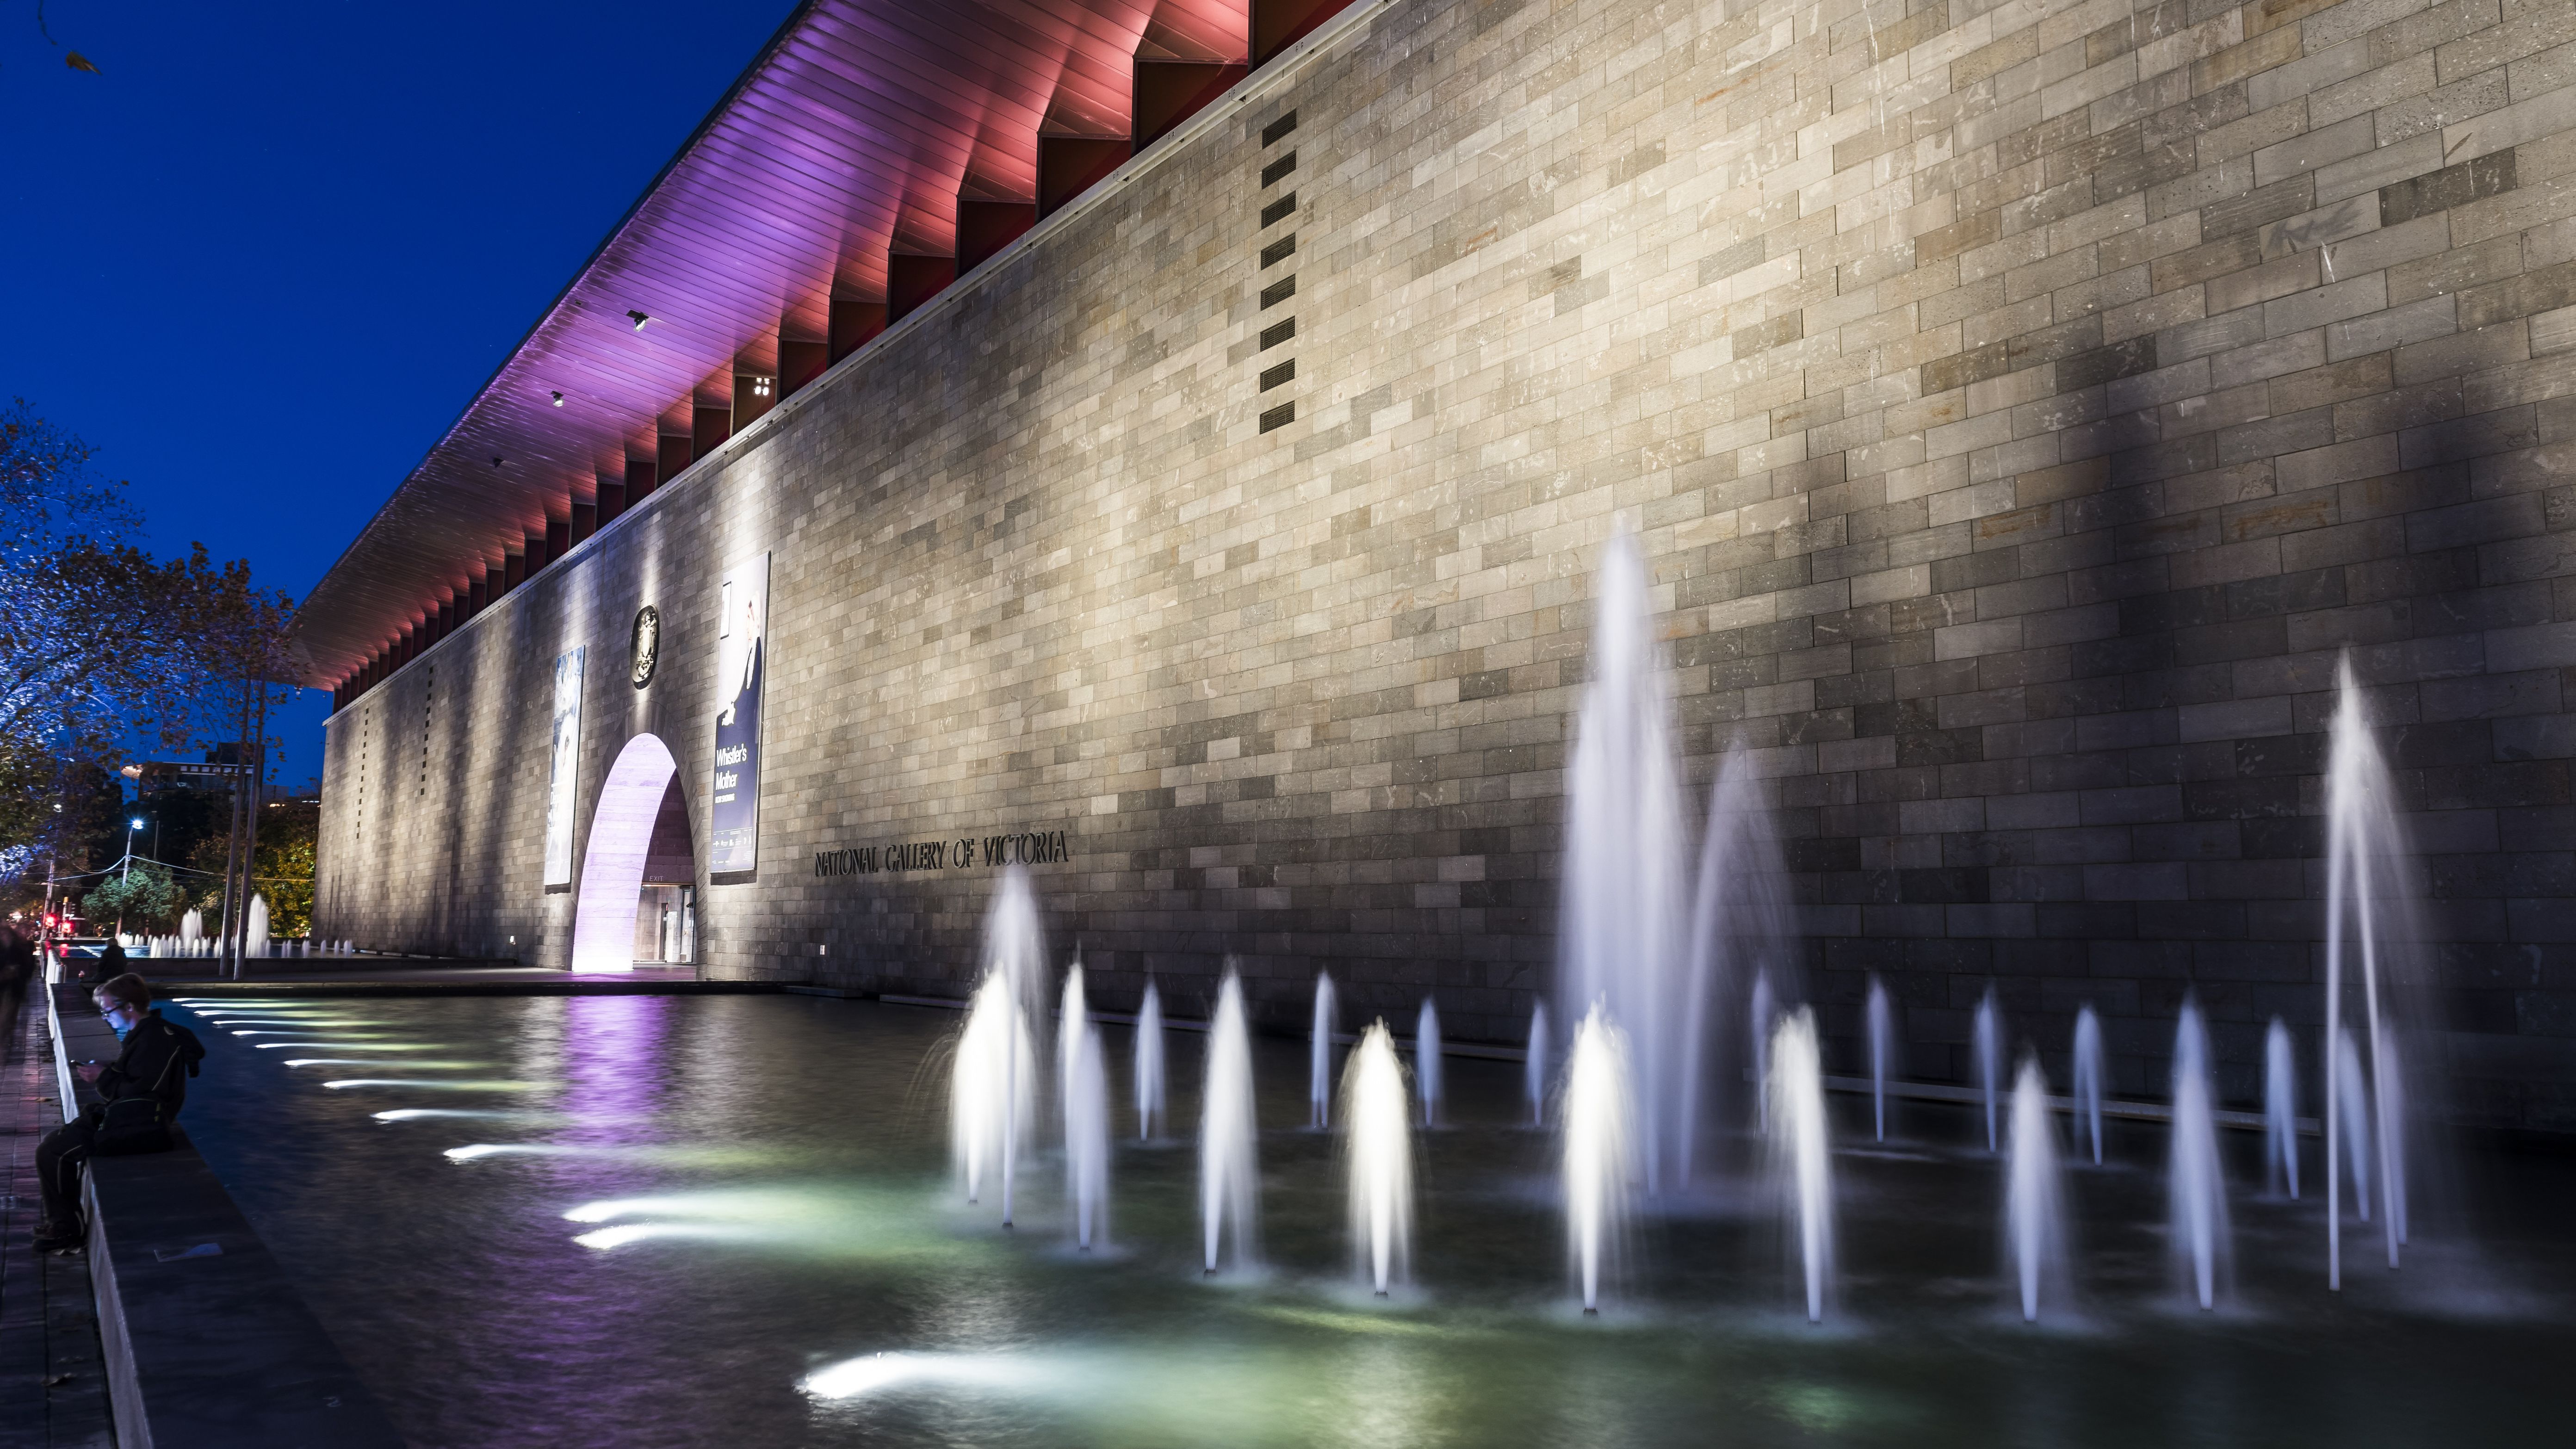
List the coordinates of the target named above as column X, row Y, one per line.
column 670, row 1154
column 479, row 1086
column 619, row 1236
column 354, row 1046
column 497, row 1114
column 410, row 1065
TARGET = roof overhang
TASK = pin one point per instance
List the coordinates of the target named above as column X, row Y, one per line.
column 857, row 135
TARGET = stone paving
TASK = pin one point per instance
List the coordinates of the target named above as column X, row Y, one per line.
column 53, row 1384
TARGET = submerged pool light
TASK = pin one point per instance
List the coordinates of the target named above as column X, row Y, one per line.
column 409, row 1065
column 498, row 1114
column 478, row 1086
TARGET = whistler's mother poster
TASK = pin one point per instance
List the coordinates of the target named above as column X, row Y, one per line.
column 742, row 634
column 564, row 769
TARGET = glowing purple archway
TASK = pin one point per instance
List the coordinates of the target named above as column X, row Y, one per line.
column 612, row 873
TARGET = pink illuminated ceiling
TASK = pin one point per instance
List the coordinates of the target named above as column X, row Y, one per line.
column 853, row 136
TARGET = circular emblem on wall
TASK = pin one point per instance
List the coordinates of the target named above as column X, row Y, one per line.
column 644, row 648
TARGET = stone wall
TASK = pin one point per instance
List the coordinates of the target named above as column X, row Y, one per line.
column 2020, row 406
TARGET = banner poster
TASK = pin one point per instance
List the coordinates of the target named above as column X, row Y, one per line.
column 742, row 631
column 563, row 766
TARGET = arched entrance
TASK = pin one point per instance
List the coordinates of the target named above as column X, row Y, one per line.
column 640, row 846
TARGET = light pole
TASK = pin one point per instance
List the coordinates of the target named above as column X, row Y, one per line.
column 133, row 823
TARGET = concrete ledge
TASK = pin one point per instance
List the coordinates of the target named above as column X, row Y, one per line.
column 561, row 986
column 207, row 1344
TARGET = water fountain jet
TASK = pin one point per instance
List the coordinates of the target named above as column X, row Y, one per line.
column 990, row 1090
column 1740, row 930
column 1762, row 1016
column 2034, row 1194
column 1379, row 1155
column 1426, row 1061
column 1319, row 1060
column 1599, row 1128
column 1086, row 1136
column 2280, row 1109
column 1990, row 1058
column 1149, row 1063
column 1882, row 1047
column 2196, row 1183
column 2088, row 1074
column 1622, row 943
column 1229, row 1164
column 1534, row 1065
column 1801, row 1158
column 2369, row 925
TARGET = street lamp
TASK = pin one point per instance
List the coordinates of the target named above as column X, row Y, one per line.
column 132, row 825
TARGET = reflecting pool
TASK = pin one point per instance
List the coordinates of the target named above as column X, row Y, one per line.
column 693, row 1221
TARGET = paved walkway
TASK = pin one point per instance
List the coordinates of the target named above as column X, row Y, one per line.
column 53, row 1385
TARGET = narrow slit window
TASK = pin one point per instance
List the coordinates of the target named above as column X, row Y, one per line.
column 1276, row 169
column 1279, row 417
column 1274, row 376
column 1280, row 210
column 1273, row 335
column 1279, row 291
column 1279, row 251
column 1271, row 133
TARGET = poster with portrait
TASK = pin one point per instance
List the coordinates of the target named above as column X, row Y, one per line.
column 742, row 658
column 563, row 769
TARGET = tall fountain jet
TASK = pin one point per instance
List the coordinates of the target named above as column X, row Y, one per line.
column 1379, row 1150
column 2088, row 1074
column 2035, row 1196
column 1534, row 1066
column 1990, row 1058
column 2280, row 1109
column 1621, row 937
column 1229, row 1161
column 2369, row 924
column 2195, row 1182
column 1801, row 1154
column 1740, row 931
column 1149, row 1063
column 1600, row 1130
column 1426, row 1061
column 1086, row 1136
column 1319, row 1055
column 1882, row 1046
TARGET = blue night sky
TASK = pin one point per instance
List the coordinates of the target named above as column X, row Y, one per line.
column 265, row 258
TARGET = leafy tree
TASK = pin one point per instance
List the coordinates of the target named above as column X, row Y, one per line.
column 281, row 866
column 103, row 645
column 143, row 899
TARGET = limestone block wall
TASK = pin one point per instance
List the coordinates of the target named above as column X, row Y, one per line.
column 2020, row 406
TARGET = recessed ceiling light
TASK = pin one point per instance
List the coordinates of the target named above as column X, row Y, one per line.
column 640, row 319
column 558, row 397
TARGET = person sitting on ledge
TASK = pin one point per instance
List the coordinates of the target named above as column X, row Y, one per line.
column 157, row 1060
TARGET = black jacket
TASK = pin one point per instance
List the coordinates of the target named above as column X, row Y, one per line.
column 142, row 1066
